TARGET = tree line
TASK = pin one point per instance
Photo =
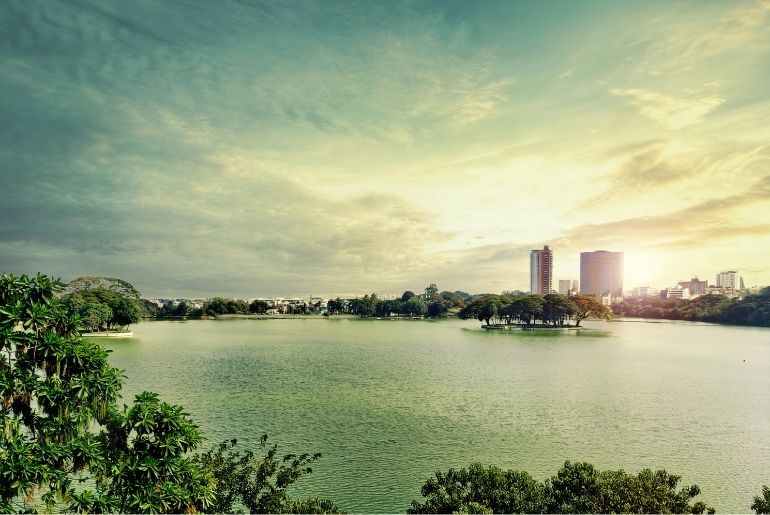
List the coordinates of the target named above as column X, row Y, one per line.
column 753, row 309
column 431, row 304
column 68, row 446
column 211, row 307
column 552, row 309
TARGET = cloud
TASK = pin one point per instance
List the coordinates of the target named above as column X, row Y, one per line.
column 682, row 44
column 674, row 112
column 645, row 167
column 690, row 227
column 735, row 29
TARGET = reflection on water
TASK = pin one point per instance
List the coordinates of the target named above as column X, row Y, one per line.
column 388, row 403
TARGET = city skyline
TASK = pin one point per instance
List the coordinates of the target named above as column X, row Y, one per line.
column 230, row 148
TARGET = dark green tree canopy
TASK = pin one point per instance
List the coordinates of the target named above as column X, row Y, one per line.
column 575, row 488
column 118, row 286
column 103, row 302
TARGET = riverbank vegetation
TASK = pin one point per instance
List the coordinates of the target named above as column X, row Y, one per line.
column 751, row 310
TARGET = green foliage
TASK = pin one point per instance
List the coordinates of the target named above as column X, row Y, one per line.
column 259, row 484
column 751, row 310
column 118, row 287
column 762, row 504
column 337, row 306
column 54, row 386
column 94, row 315
column 588, row 307
column 125, row 311
column 552, row 309
column 224, row 306
column 415, row 306
column 259, row 307
column 146, row 467
column 149, row 309
column 60, row 426
column 576, row 488
column 481, row 489
column 103, row 302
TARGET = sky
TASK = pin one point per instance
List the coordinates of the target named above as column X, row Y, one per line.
column 248, row 148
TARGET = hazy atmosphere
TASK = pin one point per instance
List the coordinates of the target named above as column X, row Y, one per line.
column 277, row 148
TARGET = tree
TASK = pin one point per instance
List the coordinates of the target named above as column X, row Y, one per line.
column 246, row 479
column 576, row 488
column 407, row 295
column 117, row 286
column 482, row 308
column 54, row 385
column 532, row 308
column 762, row 504
column 415, row 306
column 149, row 309
column 437, row 308
column 336, row 306
column 557, row 308
column 83, row 294
column 94, row 315
column 146, row 467
column 588, row 307
column 481, row 489
column 259, row 306
column 430, row 291
column 125, row 311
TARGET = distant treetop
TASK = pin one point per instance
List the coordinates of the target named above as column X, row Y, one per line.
column 119, row 286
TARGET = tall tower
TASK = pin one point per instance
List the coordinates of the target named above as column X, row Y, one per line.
column 540, row 271
column 601, row 273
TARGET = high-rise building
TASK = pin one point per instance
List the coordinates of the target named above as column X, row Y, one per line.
column 729, row 280
column 601, row 273
column 540, row 271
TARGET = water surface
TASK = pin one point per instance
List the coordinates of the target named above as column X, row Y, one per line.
column 388, row 403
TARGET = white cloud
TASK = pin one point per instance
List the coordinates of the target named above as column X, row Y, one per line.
column 674, row 112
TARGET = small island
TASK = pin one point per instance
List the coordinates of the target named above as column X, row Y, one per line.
column 522, row 311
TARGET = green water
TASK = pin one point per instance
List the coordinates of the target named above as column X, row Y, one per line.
column 390, row 402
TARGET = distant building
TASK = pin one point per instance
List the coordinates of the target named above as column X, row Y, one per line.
column 540, row 271
column 645, row 291
column 675, row 293
column 601, row 274
column 730, row 280
column 575, row 284
column 695, row 286
column 567, row 286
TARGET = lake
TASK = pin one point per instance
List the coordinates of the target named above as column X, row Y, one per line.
column 389, row 402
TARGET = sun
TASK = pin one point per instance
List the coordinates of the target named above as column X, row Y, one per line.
column 643, row 268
